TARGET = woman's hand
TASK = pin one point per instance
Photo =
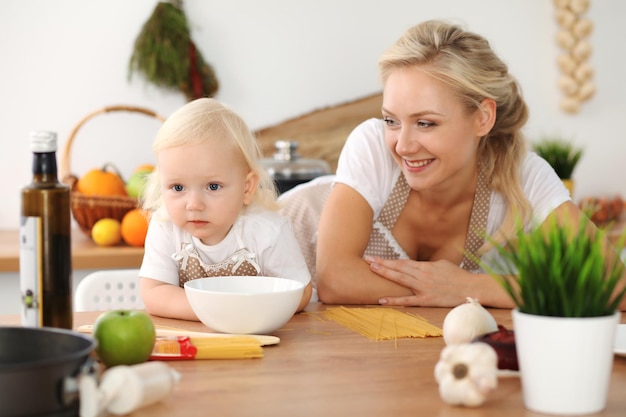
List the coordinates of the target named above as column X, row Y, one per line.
column 438, row 283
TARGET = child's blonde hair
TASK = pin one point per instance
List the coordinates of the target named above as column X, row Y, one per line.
column 201, row 120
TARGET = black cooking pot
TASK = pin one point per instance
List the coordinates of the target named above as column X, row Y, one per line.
column 35, row 366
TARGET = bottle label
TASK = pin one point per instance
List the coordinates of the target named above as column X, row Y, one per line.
column 31, row 274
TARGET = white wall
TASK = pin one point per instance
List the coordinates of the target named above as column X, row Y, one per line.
column 276, row 59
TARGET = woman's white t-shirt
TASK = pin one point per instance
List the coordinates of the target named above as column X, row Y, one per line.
column 366, row 165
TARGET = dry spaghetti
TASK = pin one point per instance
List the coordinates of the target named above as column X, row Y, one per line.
column 382, row 323
column 184, row 347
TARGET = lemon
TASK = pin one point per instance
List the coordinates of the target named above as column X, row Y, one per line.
column 106, row 232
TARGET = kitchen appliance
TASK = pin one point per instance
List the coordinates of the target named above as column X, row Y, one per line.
column 289, row 169
column 38, row 370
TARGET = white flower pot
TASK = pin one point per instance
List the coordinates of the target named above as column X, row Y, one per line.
column 565, row 363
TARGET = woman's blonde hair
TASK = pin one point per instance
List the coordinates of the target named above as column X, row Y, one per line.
column 465, row 61
column 201, row 120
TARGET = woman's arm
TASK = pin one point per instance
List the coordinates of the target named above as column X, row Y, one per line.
column 344, row 230
column 343, row 276
column 166, row 300
column 569, row 215
column 443, row 284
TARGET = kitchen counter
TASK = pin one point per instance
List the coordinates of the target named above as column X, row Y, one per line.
column 85, row 253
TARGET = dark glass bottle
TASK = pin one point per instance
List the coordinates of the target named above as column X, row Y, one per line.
column 45, row 241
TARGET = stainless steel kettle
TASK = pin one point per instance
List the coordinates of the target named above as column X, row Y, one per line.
column 289, row 169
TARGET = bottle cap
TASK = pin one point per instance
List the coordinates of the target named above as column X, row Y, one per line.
column 43, row 141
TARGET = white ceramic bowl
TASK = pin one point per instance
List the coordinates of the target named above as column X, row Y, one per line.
column 246, row 305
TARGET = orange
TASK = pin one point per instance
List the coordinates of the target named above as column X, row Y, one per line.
column 144, row 167
column 134, row 227
column 101, row 182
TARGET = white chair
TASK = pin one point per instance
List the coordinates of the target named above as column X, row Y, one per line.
column 109, row 290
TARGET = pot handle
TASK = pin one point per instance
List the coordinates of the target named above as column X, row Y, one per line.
column 87, row 376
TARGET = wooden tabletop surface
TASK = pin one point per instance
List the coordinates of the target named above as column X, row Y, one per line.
column 321, row 368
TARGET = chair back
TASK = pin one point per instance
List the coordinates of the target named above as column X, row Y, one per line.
column 109, row 290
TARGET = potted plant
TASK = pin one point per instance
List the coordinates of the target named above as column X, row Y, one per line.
column 562, row 155
column 566, row 288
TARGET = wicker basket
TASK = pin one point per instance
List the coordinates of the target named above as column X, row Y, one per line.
column 88, row 209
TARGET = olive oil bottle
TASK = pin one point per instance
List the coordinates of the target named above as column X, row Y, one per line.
column 45, row 241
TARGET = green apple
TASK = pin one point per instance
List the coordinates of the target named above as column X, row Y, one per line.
column 125, row 337
column 137, row 183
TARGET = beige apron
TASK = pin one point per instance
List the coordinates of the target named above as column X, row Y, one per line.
column 190, row 266
column 304, row 208
column 382, row 244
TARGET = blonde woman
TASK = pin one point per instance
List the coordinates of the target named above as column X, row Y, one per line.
column 416, row 190
column 213, row 210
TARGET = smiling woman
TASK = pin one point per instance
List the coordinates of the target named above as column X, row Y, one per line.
column 416, row 193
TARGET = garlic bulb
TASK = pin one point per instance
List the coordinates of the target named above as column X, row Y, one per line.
column 574, row 29
column 579, row 6
column 565, row 39
column 565, row 18
column 561, row 4
column 582, row 28
column 587, row 91
column 566, row 64
column 568, row 85
column 466, row 322
column 467, row 373
column 570, row 104
column 583, row 73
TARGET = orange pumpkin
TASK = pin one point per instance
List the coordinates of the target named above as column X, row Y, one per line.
column 101, row 182
column 144, row 167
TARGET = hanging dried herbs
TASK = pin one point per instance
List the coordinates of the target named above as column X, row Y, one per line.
column 167, row 57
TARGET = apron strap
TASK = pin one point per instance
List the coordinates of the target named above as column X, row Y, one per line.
column 478, row 222
column 477, row 225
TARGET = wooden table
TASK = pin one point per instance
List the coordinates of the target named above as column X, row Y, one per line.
column 85, row 253
column 321, row 368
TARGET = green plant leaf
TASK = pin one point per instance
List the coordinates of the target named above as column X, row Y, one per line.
column 562, row 155
column 559, row 271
